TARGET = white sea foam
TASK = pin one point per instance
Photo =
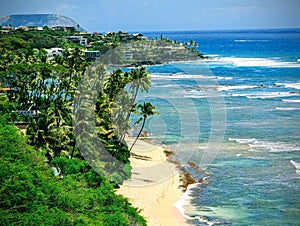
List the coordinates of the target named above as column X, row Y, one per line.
column 180, row 76
column 266, row 95
column 225, row 88
column 236, row 107
column 287, row 109
column 251, row 40
column 291, row 101
column 163, row 86
column 255, row 62
column 224, row 78
column 185, row 200
column 297, row 166
column 195, row 96
column 211, row 55
column 279, row 84
column 256, row 145
column 243, row 141
column 293, row 85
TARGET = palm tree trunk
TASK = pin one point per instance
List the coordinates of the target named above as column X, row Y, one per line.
column 129, row 113
column 73, row 151
column 132, row 101
column 144, row 120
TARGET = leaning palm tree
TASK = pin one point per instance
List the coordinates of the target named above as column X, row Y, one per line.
column 139, row 81
column 146, row 110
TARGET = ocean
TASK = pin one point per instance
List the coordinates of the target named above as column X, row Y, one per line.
column 236, row 115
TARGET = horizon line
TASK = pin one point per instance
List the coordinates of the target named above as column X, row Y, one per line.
column 211, row 30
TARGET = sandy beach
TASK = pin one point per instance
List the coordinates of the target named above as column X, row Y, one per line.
column 154, row 186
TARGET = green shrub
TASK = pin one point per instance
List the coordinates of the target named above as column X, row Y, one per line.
column 31, row 195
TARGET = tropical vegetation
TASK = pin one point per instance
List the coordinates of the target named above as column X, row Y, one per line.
column 62, row 166
column 31, row 195
column 40, row 93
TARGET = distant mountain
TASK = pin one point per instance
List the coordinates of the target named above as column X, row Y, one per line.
column 39, row 20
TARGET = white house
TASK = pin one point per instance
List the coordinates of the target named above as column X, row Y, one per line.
column 54, row 52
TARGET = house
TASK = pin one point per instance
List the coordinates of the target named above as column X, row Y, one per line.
column 124, row 35
column 64, row 28
column 128, row 55
column 99, row 35
column 54, row 52
column 91, row 54
column 77, row 39
column 5, row 29
column 138, row 36
column 29, row 28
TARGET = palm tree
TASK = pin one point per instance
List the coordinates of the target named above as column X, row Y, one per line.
column 193, row 44
column 139, row 81
column 146, row 110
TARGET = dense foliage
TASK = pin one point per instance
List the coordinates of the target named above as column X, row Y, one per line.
column 31, row 195
column 48, row 86
column 38, row 92
column 67, row 104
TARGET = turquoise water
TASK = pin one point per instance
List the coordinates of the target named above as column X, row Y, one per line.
column 248, row 97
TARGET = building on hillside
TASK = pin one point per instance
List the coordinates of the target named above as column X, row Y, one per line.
column 77, row 39
column 5, row 29
column 128, row 55
column 138, row 36
column 99, row 35
column 91, row 54
column 64, row 28
column 124, row 35
column 29, row 28
column 54, row 52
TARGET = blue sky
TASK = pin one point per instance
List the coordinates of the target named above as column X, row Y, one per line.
column 160, row 15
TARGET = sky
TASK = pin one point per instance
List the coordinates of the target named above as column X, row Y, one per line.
column 165, row 15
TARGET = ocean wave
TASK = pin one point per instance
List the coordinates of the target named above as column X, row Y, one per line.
column 251, row 40
column 225, row 88
column 163, row 86
column 291, row 101
column 287, row 109
column 243, row 141
column 195, row 96
column 185, row 200
column 260, row 146
column 180, row 76
column 293, row 85
column 224, row 78
column 236, row 107
column 255, row 62
column 265, row 95
column 297, row 166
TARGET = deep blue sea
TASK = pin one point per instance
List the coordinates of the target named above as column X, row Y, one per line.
column 237, row 115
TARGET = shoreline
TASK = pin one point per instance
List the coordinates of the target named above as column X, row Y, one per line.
column 155, row 187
